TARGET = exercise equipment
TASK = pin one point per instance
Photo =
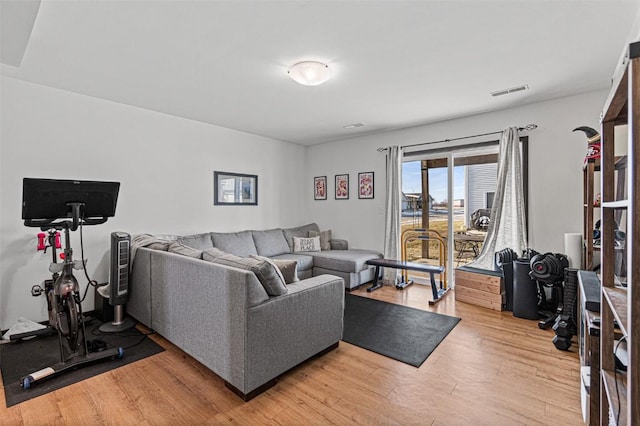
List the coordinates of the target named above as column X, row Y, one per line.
column 423, row 234
column 66, row 205
column 547, row 270
column 504, row 261
column 566, row 322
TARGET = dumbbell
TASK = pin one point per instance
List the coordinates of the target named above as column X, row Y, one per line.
column 564, row 327
column 562, row 343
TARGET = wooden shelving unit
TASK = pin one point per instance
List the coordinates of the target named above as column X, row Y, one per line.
column 588, row 195
column 620, row 391
column 590, row 205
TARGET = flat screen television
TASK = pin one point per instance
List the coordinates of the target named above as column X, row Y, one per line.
column 50, row 199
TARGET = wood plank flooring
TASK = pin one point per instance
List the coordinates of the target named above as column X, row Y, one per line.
column 492, row 369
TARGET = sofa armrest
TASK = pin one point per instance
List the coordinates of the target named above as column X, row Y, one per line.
column 337, row 244
column 286, row 330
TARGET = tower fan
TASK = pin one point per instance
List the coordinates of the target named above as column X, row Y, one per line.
column 119, row 282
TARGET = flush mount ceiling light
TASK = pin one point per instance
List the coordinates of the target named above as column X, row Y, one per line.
column 309, row 73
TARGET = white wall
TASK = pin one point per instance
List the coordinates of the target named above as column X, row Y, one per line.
column 555, row 169
column 165, row 165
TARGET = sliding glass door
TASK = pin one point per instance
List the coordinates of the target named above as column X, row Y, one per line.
column 425, row 212
column 446, row 209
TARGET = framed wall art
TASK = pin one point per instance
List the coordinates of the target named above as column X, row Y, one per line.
column 235, row 189
column 365, row 185
column 320, row 188
column 342, row 187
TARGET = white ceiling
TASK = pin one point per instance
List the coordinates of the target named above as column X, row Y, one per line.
column 395, row 63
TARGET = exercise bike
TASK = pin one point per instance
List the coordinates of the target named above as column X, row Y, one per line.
column 64, row 301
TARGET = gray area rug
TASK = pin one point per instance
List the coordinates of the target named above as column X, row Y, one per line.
column 405, row 334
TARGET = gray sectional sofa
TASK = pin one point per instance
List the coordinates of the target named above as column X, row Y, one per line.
column 227, row 318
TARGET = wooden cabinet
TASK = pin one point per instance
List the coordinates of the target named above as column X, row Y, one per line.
column 620, row 390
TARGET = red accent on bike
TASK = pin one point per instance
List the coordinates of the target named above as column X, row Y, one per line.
column 62, row 256
column 41, row 237
column 58, row 244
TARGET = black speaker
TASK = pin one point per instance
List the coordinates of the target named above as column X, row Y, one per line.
column 119, row 282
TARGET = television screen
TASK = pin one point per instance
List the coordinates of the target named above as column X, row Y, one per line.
column 50, row 198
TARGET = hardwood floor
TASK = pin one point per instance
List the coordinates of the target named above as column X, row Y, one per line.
column 492, row 369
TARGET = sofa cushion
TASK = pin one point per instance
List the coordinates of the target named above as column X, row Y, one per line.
column 300, row 231
column 266, row 271
column 306, row 244
column 197, row 241
column 179, row 248
column 344, row 260
column 270, row 243
column 325, row 238
column 238, row 243
column 305, row 262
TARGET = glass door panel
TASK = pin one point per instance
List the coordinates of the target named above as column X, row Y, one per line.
column 425, row 206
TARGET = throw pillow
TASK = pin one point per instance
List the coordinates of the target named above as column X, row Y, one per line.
column 300, row 231
column 306, row 244
column 275, row 266
column 179, row 248
column 325, row 238
column 288, row 268
column 266, row 272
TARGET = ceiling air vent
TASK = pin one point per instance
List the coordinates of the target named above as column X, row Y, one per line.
column 511, row 90
column 353, row 125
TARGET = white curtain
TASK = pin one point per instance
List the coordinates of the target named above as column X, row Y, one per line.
column 507, row 228
column 393, row 211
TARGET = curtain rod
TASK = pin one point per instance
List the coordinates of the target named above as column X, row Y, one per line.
column 528, row 127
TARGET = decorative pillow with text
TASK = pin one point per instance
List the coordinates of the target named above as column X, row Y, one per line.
column 301, row 245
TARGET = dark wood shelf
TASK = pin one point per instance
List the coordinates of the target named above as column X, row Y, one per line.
column 615, row 385
column 617, row 300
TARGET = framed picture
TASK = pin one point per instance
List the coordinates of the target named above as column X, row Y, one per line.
column 342, row 187
column 235, row 189
column 365, row 185
column 320, row 188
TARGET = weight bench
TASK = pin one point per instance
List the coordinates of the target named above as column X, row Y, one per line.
column 438, row 293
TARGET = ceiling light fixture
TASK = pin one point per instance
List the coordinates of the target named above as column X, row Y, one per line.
column 353, row 126
column 309, row 73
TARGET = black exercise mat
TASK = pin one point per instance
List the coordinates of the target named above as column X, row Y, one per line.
column 20, row 359
column 405, row 334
